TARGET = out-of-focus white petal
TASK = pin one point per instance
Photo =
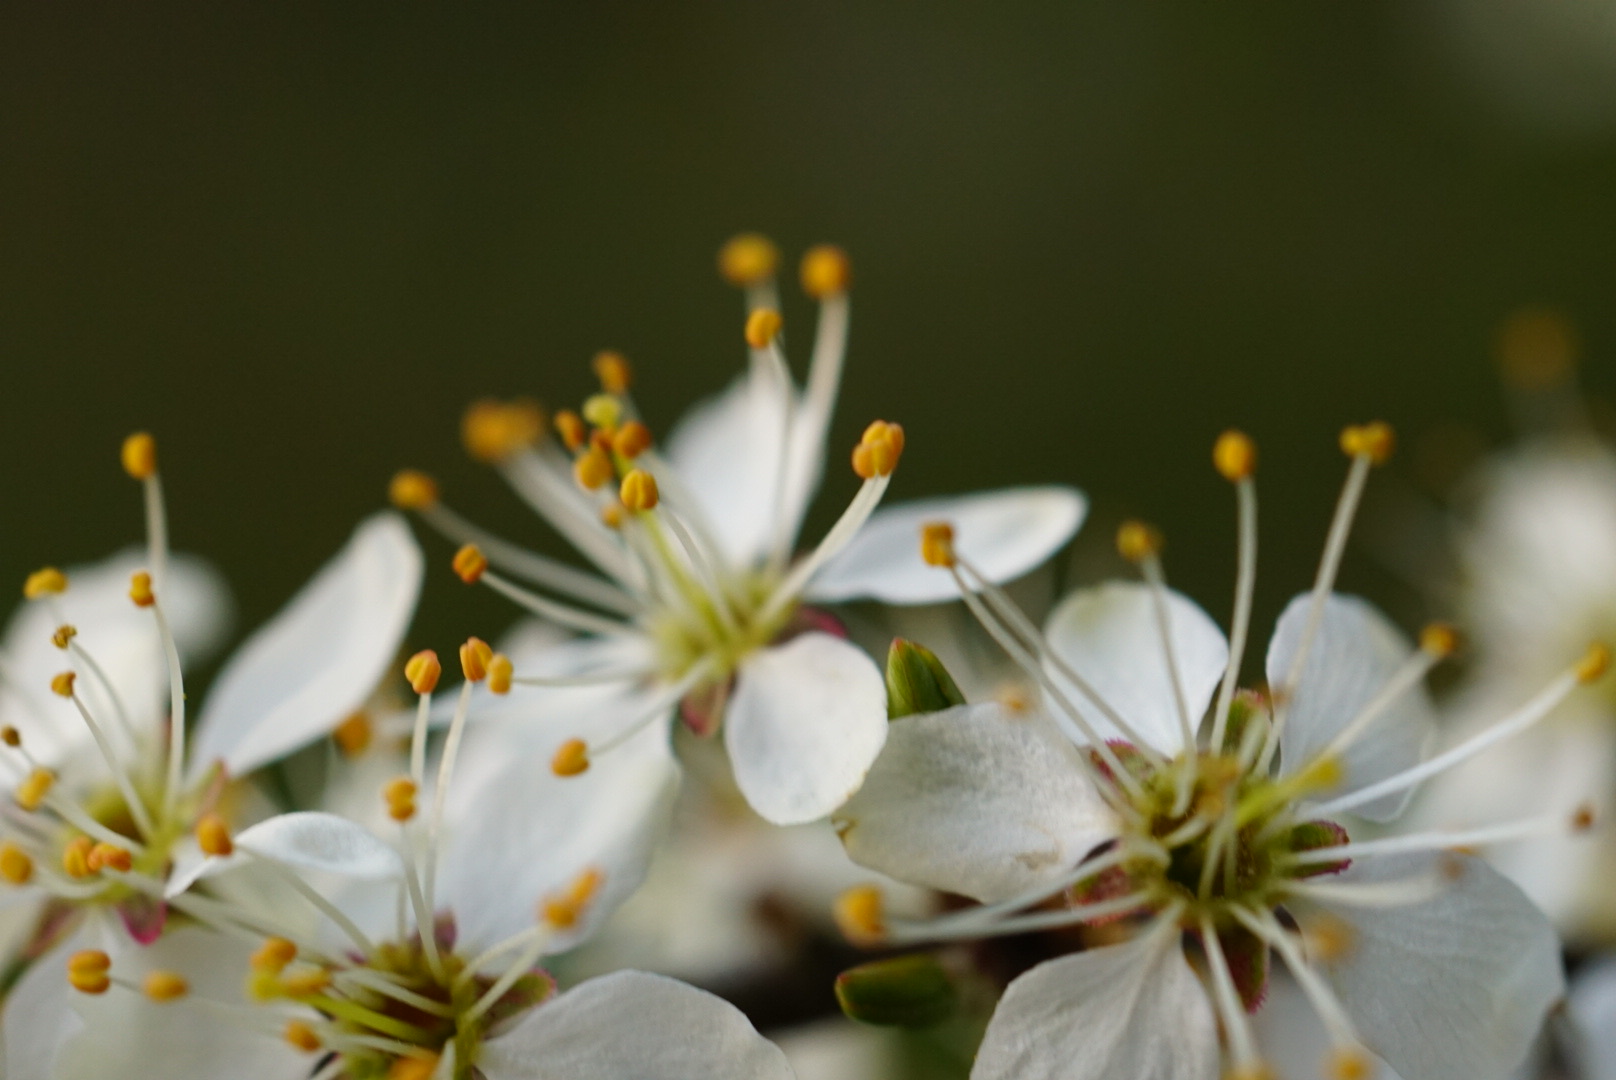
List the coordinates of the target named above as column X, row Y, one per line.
column 806, row 721
column 1132, row 1010
column 38, row 1019
column 630, row 1024
column 306, row 840
column 1004, row 534
column 1109, row 636
column 976, row 800
column 1593, row 1017
column 839, row 1049
column 1453, row 987
column 316, row 661
column 1294, row 1041
column 1355, row 652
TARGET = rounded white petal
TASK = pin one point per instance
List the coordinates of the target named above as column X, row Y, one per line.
column 806, row 721
column 976, row 800
column 324, row 843
column 630, row 1024
column 1132, row 1010
column 320, row 658
column 38, row 1019
column 1109, row 635
column 1293, row 1040
column 1453, row 987
column 1003, row 533
column 1593, row 1018
column 1355, row 652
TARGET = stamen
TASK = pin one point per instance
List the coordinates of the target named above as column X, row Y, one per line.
column 903, row 932
column 1449, row 840
column 1436, row 643
column 469, row 563
column 1235, row 456
column 63, row 685
column 495, row 431
column 551, row 609
column 87, row 971
column 15, row 864
column 1242, row 1043
column 81, row 654
column 861, row 915
column 1347, row 1055
column 571, row 758
column 475, row 657
column 48, row 581
column 314, row 897
column 412, row 489
column 638, row 491
column 213, row 836
column 1128, row 851
column 164, row 986
column 1142, row 544
column 176, row 707
column 140, row 462
column 613, row 371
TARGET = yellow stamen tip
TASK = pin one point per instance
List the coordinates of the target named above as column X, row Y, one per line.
column 76, row 857
column 10, row 736
column 1440, row 640
column 1322, row 773
column 470, row 563
column 1234, row 455
column 214, row 836
column 305, row 983
column 1584, row 818
column 495, row 431
column 1255, row 1070
column 639, row 490
column 62, row 684
column 423, row 671
column 570, row 426
column 593, row 469
column 109, row 857
column 34, row 787
column 1329, row 939
column 631, row 440
column 1374, row 440
column 139, row 455
column 762, row 326
column 603, row 411
column 353, row 736
column 748, row 259
column 165, row 986
column 879, row 450
column 64, row 635
column 937, row 543
column 302, row 1036
column 571, row 758
column 500, row 673
column 140, row 589
column 46, row 582
column 1349, row 1063
column 563, row 910
column 412, row 489
column 613, row 371
column 87, row 971
column 826, row 271
column 399, row 795
column 273, row 955
column 1594, row 663
column 861, row 914
column 1137, row 541
column 419, row 1066
column 15, row 864
column 474, row 657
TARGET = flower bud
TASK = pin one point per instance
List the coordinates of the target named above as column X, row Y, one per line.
column 917, row 682
column 903, row 991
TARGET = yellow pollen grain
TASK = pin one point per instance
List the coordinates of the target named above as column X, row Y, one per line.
column 213, row 835
column 861, row 915
column 1440, row 640
column 10, row 736
column 273, row 955
column 109, row 857
column 419, row 1066
column 495, row 431
column 593, row 469
column 412, row 489
column 15, row 864
column 48, row 581
column 423, row 671
column 631, row 440
column 748, row 259
column 878, row 451
column 1137, row 541
column 825, row 271
column 570, row 426
column 34, row 787
column 1348, row 1063
column 353, row 736
column 762, row 326
column 1234, row 455
column 937, row 543
column 1594, row 663
column 500, row 673
column 613, row 371
column 474, row 657
column 302, row 1036
column 76, row 857
column 87, row 971
column 1374, row 440
column 639, row 491
column 399, row 795
column 470, row 564
column 139, row 455
column 140, row 589
column 64, row 635
column 603, row 411
column 165, row 986
column 571, row 758
column 62, row 685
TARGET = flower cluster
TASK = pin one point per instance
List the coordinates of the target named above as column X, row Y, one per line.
column 344, row 868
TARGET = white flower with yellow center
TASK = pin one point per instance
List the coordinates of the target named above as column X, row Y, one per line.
column 115, row 798
column 1202, row 829
column 702, row 605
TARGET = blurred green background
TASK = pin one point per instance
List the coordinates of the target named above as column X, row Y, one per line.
column 293, row 240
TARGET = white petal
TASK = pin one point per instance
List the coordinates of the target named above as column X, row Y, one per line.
column 1355, row 652
column 1109, row 636
column 1003, row 533
column 1133, row 1010
column 1293, row 1040
column 326, row 843
column 975, row 800
column 39, row 1020
column 630, row 1024
column 1454, row 987
column 1593, row 1016
column 806, row 721
column 317, row 661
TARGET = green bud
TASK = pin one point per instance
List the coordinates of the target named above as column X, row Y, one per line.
column 917, row 682
column 904, row 991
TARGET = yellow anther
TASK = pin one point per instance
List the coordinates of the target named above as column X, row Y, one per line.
column 470, row 563
column 1328, row 938
column 140, row 455
column 825, row 271
column 571, row 758
column 613, row 371
column 563, row 910
column 213, row 835
column 494, row 431
column 165, row 986
column 611, row 515
column 418, row 1066
column 638, row 490
column 353, row 735
column 1254, row 1070
column 76, row 857
column 601, row 439
column 1537, row 348
column 1349, row 1063
column 1584, row 818
column 603, row 411
column 62, row 684
column 87, row 971
column 15, row 864
column 1137, row 541
column 748, row 259
column 140, row 589
column 499, row 674
column 878, row 450
column 109, row 857
column 423, row 671
column 762, row 326
column 399, row 795
column 593, row 469
column 273, row 955
column 48, row 581
column 305, row 983
column 301, row 1036
column 1375, row 440
column 570, row 426
column 1440, row 640
column 937, row 543
column 10, row 736
column 64, row 635
column 1234, row 455
column 34, row 787
column 1594, row 663
column 861, row 914
column 1322, row 773
column 631, row 440
column 412, row 489
column 474, row 657
column 264, row 986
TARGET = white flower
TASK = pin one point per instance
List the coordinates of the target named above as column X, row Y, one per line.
column 1208, row 846
column 701, row 601
column 112, row 802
